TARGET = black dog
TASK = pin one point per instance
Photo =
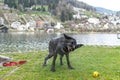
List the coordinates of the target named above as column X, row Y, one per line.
column 63, row 46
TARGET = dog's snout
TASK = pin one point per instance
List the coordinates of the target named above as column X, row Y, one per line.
column 74, row 46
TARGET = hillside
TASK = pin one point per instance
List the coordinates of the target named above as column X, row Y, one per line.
column 103, row 10
column 82, row 5
column 23, row 5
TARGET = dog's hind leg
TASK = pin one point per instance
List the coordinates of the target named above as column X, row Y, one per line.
column 61, row 62
column 53, row 63
column 68, row 62
column 46, row 58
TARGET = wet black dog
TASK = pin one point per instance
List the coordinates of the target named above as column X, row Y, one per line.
column 63, row 46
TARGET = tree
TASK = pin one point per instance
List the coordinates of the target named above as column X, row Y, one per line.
column 16, row 4
column 49, row 7
column 43, row 8
column 62, row 17
column 6, row 1
column 70, row 15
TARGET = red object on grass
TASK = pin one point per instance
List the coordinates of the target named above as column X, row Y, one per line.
column 22, row 62
column 6, row 64
column 13, row 63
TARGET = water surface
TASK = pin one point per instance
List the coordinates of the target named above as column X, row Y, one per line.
column 31, row 41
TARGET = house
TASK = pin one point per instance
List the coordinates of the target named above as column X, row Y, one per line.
column 31, row 25
column 106, row 26
column 1, row 21
column 83, row 16
column 18, row 26
column 23, row 27
column 58, row 26
column 6, row 7
column 39, row 24
column 115, row 22
column 77, row 16
column 3, row 28
column 80, row 16
column 15, row 24
column 93, row 20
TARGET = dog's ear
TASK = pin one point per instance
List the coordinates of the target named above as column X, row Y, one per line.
column 78, row 45
column 67, row 37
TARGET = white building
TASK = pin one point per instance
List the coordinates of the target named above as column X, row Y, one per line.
column 1, row 21
column 58, row 26
column 93, row 20
column 77, row 16
column 21, row 27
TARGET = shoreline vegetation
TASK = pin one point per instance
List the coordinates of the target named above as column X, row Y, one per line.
column 65, row 31
column 85, row 60
column 42, row 21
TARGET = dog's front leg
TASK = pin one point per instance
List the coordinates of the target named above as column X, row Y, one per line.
column 68, row 62
column 53, row 63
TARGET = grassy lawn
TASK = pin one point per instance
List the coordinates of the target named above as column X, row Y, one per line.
column 85, row 60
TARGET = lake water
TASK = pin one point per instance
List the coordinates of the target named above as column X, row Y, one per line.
column 30, row 41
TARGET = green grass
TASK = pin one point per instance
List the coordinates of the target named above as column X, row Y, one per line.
column 39, row 6
column 1, row 3
column 85, row 60
column 34, row 12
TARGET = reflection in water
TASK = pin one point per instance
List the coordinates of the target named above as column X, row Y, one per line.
column 23, row 42
column 19, row 42
column 98, row 39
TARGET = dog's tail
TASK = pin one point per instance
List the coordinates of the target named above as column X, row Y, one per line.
column 79, row 45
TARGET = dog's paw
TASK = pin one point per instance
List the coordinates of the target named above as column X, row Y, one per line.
column 70, row 67
column 44, row 65
column 53, row 70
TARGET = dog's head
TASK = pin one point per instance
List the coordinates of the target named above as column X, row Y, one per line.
column 71, row 43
